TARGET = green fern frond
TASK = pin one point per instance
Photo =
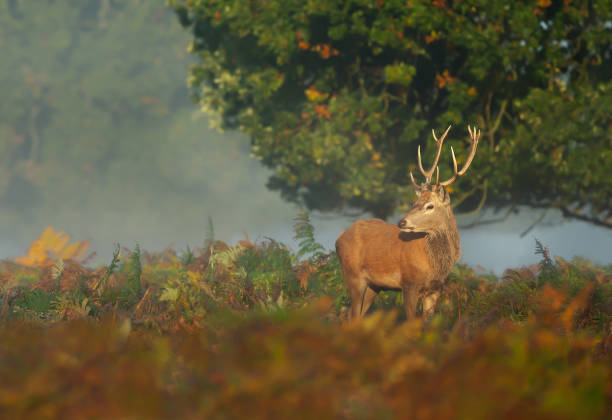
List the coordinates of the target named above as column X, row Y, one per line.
column 304, row 234
column 209, row 238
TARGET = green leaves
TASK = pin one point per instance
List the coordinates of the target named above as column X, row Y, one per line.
column 314, row 81
column 400, row 73
column 170, row 294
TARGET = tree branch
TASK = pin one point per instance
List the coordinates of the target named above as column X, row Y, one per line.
column 573, row 215
column 480, row 205
column 534, row 224
column 490, row 221
column 463, row 197
column 502, row 111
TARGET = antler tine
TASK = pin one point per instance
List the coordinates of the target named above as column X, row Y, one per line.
column 474, row 136
column 454, row 177
column 418, row 187
column 439, row 143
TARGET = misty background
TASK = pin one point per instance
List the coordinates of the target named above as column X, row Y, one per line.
column 98, row 138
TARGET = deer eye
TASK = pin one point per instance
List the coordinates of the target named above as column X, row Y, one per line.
column 429, row 207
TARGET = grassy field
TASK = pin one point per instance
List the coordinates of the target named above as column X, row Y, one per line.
column 258, row 330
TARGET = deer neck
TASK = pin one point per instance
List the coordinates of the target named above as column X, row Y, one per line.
column 443, row 248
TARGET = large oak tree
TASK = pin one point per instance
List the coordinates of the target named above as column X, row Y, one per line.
column 336, row 96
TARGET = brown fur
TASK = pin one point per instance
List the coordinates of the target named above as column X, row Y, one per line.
column 376, row 255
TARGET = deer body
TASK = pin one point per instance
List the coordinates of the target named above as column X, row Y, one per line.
column 414, row 256
column 384, row 264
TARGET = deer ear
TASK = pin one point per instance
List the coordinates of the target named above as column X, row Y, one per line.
column 417, row 192
column 445, row 196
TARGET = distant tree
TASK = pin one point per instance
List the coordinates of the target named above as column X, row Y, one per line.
column 96, row 127
column 77, row 104
column 336, row 95
column 69, row 78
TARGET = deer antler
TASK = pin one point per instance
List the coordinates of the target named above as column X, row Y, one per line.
column 429, row 173
column 474, row 136
column 439, row 143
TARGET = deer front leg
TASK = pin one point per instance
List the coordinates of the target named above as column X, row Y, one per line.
column 409, row 293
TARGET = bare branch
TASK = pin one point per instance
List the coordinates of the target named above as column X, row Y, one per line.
column 480, row 205
column 534, row 224
column 572, row 214
column 502, row 111
column 465, row 196
column 491, row 221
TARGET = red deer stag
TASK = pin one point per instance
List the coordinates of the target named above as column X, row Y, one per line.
column 416, row 255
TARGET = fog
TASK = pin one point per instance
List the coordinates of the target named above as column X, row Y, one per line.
column 153, row 172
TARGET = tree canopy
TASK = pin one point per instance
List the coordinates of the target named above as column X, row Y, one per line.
column 337, row 95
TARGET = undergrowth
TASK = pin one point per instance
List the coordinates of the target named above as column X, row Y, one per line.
column 257, row 329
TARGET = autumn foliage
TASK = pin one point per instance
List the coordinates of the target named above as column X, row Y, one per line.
column 257, row 330
column 51, row 246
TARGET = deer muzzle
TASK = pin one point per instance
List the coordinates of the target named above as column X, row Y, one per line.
column 405, row 225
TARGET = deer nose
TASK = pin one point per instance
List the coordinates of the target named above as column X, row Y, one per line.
column 404, row 225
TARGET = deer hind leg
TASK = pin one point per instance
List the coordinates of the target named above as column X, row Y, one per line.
column 362, row 297
column 367, row 299
column 429, row 304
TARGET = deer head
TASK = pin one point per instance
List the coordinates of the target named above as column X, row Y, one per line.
column 432, row 212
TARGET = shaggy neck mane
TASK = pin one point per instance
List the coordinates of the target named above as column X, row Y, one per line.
column 442, row 250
